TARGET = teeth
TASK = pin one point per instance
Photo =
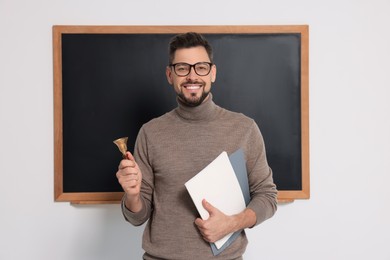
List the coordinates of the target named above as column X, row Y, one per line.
column 192, row 87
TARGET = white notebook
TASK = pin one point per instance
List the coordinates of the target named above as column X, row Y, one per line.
column 218, row 184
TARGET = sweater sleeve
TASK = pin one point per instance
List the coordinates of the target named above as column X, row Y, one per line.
column 147, row 186
column 262, row 188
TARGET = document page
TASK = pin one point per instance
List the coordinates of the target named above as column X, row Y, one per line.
column 218, row 184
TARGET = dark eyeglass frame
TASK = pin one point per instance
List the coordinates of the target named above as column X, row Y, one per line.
column 191, row 66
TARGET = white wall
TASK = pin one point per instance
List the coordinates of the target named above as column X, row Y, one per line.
column 348, row 215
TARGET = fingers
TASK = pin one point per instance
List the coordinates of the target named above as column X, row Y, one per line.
column 130, row 183
column 128, row 168
column 204, row 229
column 127, row 164
column 129, row 174
column 199, row 223
column 214, row 227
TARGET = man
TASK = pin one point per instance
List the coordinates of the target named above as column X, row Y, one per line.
column 173, row 148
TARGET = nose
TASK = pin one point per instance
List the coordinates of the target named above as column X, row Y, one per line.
column 192, row 74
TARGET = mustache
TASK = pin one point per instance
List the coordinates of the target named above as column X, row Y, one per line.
column 200, row 82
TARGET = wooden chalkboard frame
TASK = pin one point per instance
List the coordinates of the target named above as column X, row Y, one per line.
column 115, row 197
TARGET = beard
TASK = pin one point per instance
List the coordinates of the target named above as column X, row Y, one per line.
column 194, row 100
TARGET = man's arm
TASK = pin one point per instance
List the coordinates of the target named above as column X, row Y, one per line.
column 263, row 194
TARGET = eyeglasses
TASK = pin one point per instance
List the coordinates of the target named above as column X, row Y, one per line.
column 200, row 68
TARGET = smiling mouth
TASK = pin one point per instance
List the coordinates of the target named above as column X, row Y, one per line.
column 192, row 86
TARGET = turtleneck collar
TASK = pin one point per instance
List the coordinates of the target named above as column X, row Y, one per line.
column 205, row 111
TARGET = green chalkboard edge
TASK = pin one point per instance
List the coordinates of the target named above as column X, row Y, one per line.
column 114, row 197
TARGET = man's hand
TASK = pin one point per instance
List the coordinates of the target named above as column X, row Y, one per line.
column 130, row 178
column 219, row 225
column 216, row 226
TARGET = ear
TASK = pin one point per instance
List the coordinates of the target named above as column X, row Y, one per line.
column 213, row 73
column 168, row 73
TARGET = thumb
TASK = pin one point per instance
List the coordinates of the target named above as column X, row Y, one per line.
column 129, row 156
column 207, row 206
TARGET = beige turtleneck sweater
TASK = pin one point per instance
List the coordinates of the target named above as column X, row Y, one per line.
column 172, row 149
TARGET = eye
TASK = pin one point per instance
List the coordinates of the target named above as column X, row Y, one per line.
column 181, row 67
column 202, row 67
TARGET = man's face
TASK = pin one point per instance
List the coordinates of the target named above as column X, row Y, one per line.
column 191, row 89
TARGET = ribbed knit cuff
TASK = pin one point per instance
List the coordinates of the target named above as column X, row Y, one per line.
column 135, row 218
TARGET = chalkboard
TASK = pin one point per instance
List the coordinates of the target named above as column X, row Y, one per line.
column 109, row 80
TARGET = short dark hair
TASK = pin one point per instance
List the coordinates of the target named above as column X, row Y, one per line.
column 188, row 40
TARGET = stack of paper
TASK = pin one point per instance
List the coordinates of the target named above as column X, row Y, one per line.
column 224, row 184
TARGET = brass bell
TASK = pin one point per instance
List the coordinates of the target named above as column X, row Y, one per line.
column 122, row 145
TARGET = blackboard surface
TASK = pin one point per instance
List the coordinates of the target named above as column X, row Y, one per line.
column 112, row 83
